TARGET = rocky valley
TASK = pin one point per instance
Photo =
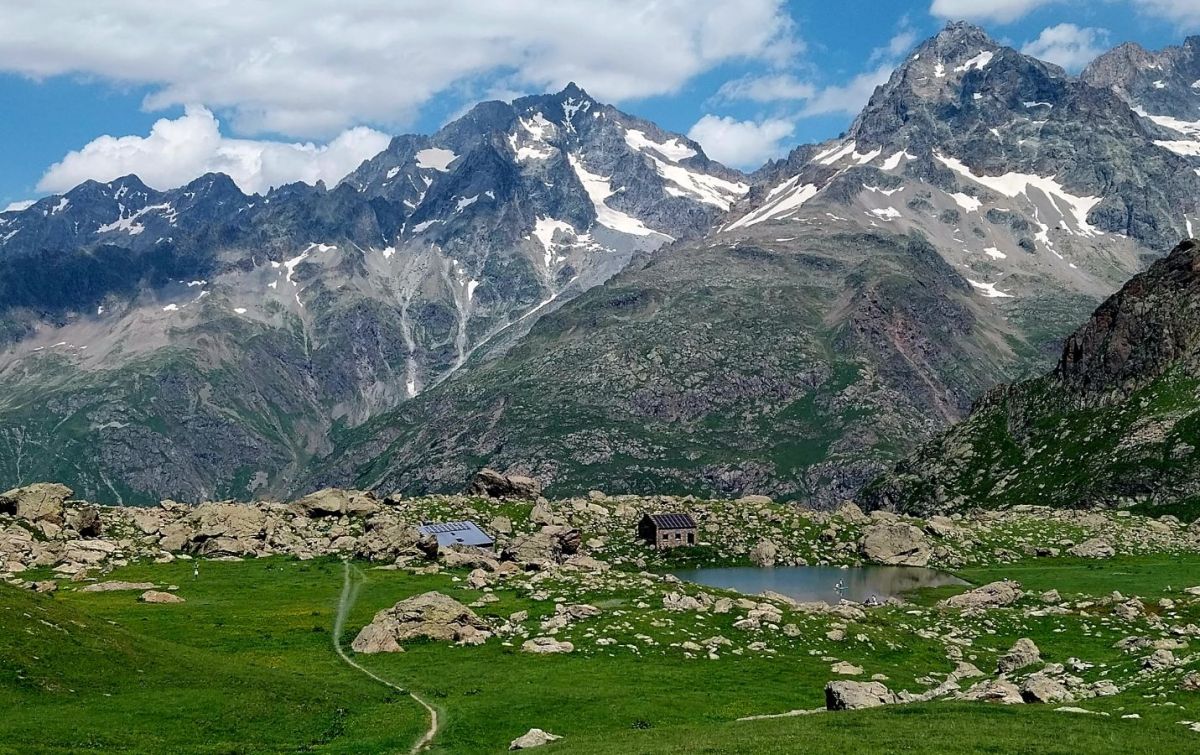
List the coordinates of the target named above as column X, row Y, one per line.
column 556, row 287
column 544, row 429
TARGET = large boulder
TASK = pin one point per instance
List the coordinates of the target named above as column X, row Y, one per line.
column 223, row 529
column 85, row 520
column 851, row 513
column 895, row 544
column 40, row 502
column 533, row 738
column 546, row 645
column 1094, row 548
column 1044, row 689
column 117, row 586
column 855, row 695
column 158, row 596
column 1023, row 653
column 493, row 484
column 552, row 544
column 387, row 541
column 430, row 615
column 376, row 638
column 995, row 691
column 991, row 595
column 764, row 554
column 338, row 502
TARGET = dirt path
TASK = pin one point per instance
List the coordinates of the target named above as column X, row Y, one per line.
column 350, row 590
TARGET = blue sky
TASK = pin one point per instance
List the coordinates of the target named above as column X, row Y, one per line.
column 749, row 79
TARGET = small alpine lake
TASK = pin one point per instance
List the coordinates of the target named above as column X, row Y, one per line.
column 828, row 583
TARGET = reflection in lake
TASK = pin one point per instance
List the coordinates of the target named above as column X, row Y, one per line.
column 828, row 583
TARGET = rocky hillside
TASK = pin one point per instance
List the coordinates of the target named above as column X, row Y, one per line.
column 199, row 341
column 1117, row 423
column 1163, row 87
column 857, row 302
column 50, row 534
column 774, row 366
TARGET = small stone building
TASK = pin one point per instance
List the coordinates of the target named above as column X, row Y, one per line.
column 668, row 530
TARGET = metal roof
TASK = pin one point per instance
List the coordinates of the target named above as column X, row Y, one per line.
column 456, row 533
column 673, row 521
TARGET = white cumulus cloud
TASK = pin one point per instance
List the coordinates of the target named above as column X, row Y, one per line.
column 309, row 68
column 178, row 150
column 743, row 144
column 1000, row 11
column 848, row 98
column 23, row 204
column 769, row 88
column 1186, row 13
column 1068, row 45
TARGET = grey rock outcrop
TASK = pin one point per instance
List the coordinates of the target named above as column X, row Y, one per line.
column 493, row 484
column 1023, row 653
column 991, row 595
column 895, row 545
column 533, row 738
column 430, row 615
column 1094, row 548
column 337, row 502
column 846, row 695
column 40, row 502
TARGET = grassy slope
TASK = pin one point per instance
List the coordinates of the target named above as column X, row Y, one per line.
column 1033, row 447
column 246, row 666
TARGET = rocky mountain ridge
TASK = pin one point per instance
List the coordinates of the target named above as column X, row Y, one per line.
column 791, row 333
column 201, row 340
column 1114, row 424
column 861, row 297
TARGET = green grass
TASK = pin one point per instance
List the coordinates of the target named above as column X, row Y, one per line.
column 247, row 665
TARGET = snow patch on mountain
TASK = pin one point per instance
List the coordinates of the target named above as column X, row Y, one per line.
column 1017, row 184
column 980, row 61
column 781, row 201
column 599, row 190
column 673, row 149
column 989, row 290
column 435, row 158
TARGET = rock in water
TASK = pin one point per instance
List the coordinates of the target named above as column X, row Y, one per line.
column 493, row 484
column 431, row 615
column 856, row 695
column 895, row 545
column 533, row 738
column 157, row 596
column 40, row 502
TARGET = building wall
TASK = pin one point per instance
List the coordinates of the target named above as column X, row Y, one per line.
column 675, row 538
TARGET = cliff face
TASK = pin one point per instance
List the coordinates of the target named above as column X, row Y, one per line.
column 1117, row 422
column 1138, row 334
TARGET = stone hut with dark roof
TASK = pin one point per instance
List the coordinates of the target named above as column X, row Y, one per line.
column 668, row 530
